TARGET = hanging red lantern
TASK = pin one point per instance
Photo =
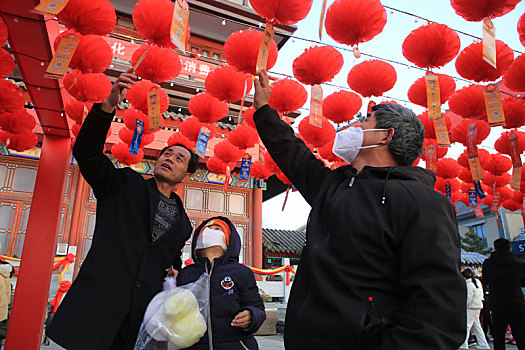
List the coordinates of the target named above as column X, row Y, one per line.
column 483, row 155
column 465, row 175
column 179, row 138
column 459, row 132
column 158, row 65
column 10, row 99
column 448, row 168
column 121, row 152
column 76, row 110
column 243, row 137
column 428, row 124
column 19, row 142
column 227, row 152
column 469, row 102
column 317, row 65
column 287, row 96
column 131, row 116
column 138, row 96
column 225, row 83
column 498, row 164
column 89, row 17
column 17, row 122
column 280, row 175
column 441, row 185
column 441, row 151
column 475, row 11
column 417, row 93
column 511, row 205
column 352, row 22
column 431, row 46
column 3, row 31
column 470, row 64
column 92, row 87
column 514, row 77
column 126, row 135
column 270, row 164
column 247, row 116
column 285, row 12
column 7, row 63
column 217, row 166
column 207, row 108
column 502, row 144
column 514, row 110
column 92, row 55
column 521, row 29
column 488, row 200
column 491, row 180
column 259, row 171
column 314, row 135
column 372, row 78
column 152, row 18
column 341, row 106
column 241, row 50
column 191, row 127
column 326, row 152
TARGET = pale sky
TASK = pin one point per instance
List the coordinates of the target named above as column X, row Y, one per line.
column 385, row 45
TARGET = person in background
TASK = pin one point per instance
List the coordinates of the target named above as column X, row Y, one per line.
column 504, row 275
column 141, row 228
column 6, row 272
column 236, row 307
column 474, row 306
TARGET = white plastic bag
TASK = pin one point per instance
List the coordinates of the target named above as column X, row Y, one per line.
column 176, row 317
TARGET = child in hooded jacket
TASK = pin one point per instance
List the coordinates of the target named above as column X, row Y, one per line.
column 236, row 309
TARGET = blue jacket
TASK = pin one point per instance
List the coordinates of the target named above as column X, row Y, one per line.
column 232, row 290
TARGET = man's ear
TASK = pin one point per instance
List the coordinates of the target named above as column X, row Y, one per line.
column 389, row 136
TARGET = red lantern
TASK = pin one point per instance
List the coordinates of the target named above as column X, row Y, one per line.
column 10, row 99
column 259, row 171
column 417, row 93
column 92, row 87
column 76, row 110
column 207, row 108
column 121, row 152
column 521, row 29
column 270, row 164
column 470, row 64
column 92, row 55
column 466, row 176
column 191, row 127
column 511, row 205
column 372, row 78
column 490, row 179
column 227, row 152
column 158, row 65
column 514, row 110
column 217, row 166
column 475, row 11
column 126, row 135
column 431, row 46
column 498, row 164
column 287, row 96
column 247, row 116
column 327, row 153
column 502, row 144
column 341, row 106
column 228, row 84
column 17, row 122
column 441, row 151
column 152, row 18
column 243, row 137
column 514, row 77
column 130, row 119
column 3, row 31
column 314, row 135
column 483, row 155
column 138, row 96
column 317, row 65
column 7, row 63
column 241, row 50
column 441, row 184
column 286, row 12
column 352, row 22
column 428, row 124
column 469, row 102
column 178, row 137
column 89, row 17
column 280, row 175
column 459, row 132
column 19, row 142
column 448, row 168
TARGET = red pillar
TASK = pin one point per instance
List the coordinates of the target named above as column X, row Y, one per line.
column 257, row 228
column 31, row 295
column 74, row 228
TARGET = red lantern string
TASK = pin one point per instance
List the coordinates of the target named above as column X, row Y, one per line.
column 228, row 84
column 158, row 65
column 138, row 96
column 126, row 135
column 498, row 164
column 191, row 127
column 417, row 93
column 227, row 152
column 287, row 96
column 469, row 102
column 372, row 78
column 448, row 168
column 459, row 132
column 243, row 137
column 286, row 12
column 470, row 64
column 217, row 166
column 491, row 180
column 514, row 110
column 17, row 122
column 152, row 18
column 431, row 46
column 314, row 135
column 514, row 77
column 207, row 108
column 441, row 185
column 352, row 22
column 92, row 87
column 483, row 155
column 121, row 152
column 502, row 143
column 89, row 17
column 317, row 65
column 19, row 142
column 131, row 116
column 341, row 106
column 242, row 48
column 476, row 11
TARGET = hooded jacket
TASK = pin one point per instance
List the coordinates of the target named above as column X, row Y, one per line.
column 232, row 290
column 504, row 275
column 380, row 268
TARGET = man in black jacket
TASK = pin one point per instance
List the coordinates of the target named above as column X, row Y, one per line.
column 504, row 275
column 380, row 269
column 141, row 228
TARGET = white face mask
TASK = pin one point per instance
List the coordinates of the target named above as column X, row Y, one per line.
column 349, row 141
column 210, row 238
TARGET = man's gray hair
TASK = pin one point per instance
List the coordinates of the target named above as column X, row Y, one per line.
column 407, row 142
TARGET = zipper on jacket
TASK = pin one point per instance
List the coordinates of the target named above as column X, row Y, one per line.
column 210, row 337
column 243, row 345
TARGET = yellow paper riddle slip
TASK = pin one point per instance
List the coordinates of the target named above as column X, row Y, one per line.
column 433, row 97
column 154, row 109
column 440, row 127
column 489, row 42
column 66, row 49
column 516, row 161
column 493, row 105
column 179, row 24
column 264, row 49
column 52, row 7
column 316, row 106
column 472, row 152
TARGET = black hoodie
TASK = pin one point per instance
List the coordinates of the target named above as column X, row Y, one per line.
column 382, row 235
column 504, row 275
